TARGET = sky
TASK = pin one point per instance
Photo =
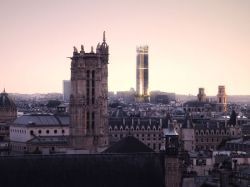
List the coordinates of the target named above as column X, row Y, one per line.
column 192, row 43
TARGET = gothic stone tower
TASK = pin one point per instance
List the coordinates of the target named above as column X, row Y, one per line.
column 89, row 99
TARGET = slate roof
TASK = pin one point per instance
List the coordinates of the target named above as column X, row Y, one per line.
column 42, row 120
column 62, row 140
column 196, row 104
column 210, row 125
column 118, row 113
column 129, row 144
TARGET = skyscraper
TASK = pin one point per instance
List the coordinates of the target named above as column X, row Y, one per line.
column 142, row 93
column 89, row 98
column 66, row 90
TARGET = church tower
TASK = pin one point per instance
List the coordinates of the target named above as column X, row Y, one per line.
column 89, row 99
column 201, row 95
column 221, row 99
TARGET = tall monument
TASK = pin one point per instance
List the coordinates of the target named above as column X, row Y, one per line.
column 89, row 99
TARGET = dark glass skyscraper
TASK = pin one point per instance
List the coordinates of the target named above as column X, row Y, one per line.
column 142, row 74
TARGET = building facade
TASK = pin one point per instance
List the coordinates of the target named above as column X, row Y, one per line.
column 39, row 133
column 147, row 130
column 89, row 98
column 142, row 94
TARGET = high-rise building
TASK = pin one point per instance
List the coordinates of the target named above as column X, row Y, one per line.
column 66, row 90
column 89, row 98
column 142, row 94
column 221, row 99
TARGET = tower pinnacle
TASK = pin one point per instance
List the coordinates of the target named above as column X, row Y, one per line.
column 104, row 38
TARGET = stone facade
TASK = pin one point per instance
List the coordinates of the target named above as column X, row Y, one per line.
column 147, row 130
column 89, row 98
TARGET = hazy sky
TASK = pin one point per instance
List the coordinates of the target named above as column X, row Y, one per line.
column 192, row 43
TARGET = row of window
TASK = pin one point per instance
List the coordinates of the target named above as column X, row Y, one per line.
column 213, row 147
column 138, row 136
column 22, row 131
column 212, row 133
column 207, row 140
column 132, row 129
column 47, row 131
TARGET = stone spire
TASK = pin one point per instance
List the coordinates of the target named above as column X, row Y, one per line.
column 104, row 37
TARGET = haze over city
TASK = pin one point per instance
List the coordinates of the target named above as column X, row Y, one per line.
column 192, row 43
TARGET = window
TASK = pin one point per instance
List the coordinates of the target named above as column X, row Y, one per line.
column 47, row 131
column 63, row 131
column 39, row 131
column 88, row 86
column 55, row 131
column 93, row 87
column 31, row 132
column 88, row 122
column 93, row 120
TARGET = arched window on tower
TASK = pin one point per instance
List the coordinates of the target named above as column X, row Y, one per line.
column 93, row 87
column 88, row 86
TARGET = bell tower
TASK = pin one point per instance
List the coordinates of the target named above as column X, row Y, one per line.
column 221, row 99
column 89, row 99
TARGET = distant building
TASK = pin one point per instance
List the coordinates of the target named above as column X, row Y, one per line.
column 126, row 96
column 66, row 90
column 8, row 110
column 147, row 130
column 221, row 99
column 201, row 95
column 161, row 97
column 89, row 99
column 142, row 93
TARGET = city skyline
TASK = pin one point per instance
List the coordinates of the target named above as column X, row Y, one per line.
column 192, row 44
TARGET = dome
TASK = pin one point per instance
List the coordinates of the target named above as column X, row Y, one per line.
column 6, row 101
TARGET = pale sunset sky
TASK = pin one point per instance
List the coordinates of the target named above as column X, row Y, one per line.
column 192, row 43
